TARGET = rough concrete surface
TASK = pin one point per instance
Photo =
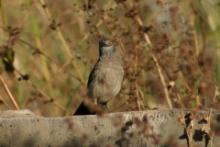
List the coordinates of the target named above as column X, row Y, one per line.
column 150, row 128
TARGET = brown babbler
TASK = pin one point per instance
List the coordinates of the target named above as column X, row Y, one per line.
column 106, row 77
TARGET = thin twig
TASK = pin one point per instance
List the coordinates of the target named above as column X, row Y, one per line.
column 166, row 92
column 9, row 93
column 180, row 100
column 37, row 49
column 64, row 43
column 147, row 39
column 139, row 22
column 43, row 93
column 41, row 52
column 141, row 97
column 47, row 96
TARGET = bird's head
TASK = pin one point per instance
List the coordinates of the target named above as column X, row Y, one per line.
column 106, row 47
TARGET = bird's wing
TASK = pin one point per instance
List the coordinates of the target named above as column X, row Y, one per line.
column 92, row 74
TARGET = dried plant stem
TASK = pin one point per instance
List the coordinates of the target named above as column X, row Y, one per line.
column 198, row 101
column 166, row 92
column 141, row 97
column 214, row 99
column 139, row 22
column 147, row 39
column 44, row 66
column 9, row 93
column 64, row 43
column 195, row 96
column 42, row 92
column 71, row 57
column 180, row 100
column 41, row 52
column 3, row 23
column 48, row 97
column 195, row 37
column 38, row 50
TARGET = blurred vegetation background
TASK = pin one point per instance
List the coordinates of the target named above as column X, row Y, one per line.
column 170, row 50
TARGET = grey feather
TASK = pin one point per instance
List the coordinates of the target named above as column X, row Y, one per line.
column 106, row 77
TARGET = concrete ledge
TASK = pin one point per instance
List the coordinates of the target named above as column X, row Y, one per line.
column 149, row 128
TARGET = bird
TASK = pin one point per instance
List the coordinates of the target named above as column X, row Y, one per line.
column 106, row 77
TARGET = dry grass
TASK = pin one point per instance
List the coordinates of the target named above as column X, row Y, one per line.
column 170, row 50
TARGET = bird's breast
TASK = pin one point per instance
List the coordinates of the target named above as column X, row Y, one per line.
column 107, row 81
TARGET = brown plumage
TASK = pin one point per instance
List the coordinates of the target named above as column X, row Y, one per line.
column 106, row 76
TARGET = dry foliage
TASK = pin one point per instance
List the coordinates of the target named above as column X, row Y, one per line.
column 169, row 48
